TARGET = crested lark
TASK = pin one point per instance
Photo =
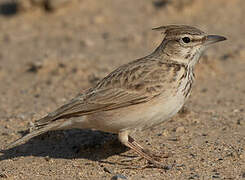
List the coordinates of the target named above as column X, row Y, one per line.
column 137, row 95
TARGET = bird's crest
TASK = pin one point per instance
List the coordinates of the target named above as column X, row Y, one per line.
column 178, row 29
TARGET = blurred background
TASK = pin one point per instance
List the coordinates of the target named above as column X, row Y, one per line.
column 50, row 50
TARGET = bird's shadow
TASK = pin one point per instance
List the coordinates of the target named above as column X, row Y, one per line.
column 69, row 144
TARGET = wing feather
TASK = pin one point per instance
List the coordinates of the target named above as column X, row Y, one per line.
column 104, row 100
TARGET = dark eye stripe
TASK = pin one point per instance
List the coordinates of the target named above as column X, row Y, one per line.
column 192, row 40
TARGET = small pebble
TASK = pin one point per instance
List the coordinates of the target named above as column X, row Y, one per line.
column 165, row 133
column 204, row 134
column 54, row 4
column 239, row 121
column 167, row 167
column 243, row 175
column 118, row 177
column 2, row 175
column 242, row 155
column 160, row 3
column 34, row 67
column 180, row 129
column 47, row 158
column 107, row 170
column 5, row 134
column 173, row 139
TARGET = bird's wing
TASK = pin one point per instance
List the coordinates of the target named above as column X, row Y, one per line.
column 128, row 85
column 103, row 100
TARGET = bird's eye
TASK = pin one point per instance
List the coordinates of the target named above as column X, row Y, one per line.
column 186, row 39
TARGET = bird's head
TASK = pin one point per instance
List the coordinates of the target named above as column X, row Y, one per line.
column 185, row 44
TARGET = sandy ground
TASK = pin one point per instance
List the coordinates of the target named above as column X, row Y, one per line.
column 46, row 58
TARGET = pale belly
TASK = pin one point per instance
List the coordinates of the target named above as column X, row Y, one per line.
column 139, row 116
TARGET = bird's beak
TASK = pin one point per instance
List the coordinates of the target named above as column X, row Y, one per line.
column 213, row 39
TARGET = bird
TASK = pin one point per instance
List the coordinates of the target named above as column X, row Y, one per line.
column 138, row 95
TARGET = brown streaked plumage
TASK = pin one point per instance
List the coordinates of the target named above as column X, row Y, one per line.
column 137, row 95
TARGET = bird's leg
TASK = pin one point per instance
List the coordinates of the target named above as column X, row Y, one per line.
column 132, row 144
column 145, row 151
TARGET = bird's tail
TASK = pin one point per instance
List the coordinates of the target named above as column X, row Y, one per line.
column 34, row 133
